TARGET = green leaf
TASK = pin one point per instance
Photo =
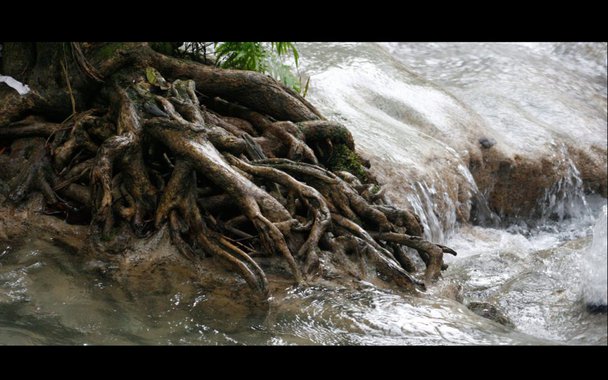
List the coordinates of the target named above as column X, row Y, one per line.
column 151, row 75
column 296, row 55
column 261, row 57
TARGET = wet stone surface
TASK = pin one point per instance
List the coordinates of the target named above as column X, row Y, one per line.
column 491, row 312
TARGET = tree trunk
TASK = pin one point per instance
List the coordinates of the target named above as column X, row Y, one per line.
column 234, row 164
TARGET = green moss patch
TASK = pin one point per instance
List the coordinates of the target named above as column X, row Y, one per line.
column 344, row 159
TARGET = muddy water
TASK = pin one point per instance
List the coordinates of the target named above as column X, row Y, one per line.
column 417, row 111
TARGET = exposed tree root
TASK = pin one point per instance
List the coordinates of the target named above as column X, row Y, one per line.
column 230, row 180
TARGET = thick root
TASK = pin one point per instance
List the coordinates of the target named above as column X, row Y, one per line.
column 434, row 251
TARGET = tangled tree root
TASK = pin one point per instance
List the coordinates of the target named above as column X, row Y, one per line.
column 238, row 170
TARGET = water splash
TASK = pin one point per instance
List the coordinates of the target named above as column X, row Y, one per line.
column 595, row 265
column 424, row 201
column 566, row 198
column 425, row 133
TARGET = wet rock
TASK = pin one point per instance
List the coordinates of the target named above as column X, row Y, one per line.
column 489, row 311
column 487, row 143
column 451, row 291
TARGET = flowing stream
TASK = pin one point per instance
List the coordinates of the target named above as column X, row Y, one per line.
column 418, row 111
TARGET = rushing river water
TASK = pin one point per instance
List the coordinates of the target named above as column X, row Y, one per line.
column 414, row 110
